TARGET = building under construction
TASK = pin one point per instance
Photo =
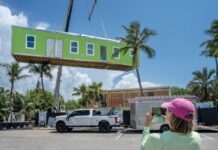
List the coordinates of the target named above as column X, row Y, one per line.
column 120, row 97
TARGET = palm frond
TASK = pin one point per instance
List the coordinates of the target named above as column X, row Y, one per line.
column 23, row 77
column 122, row 50
column 148, row 50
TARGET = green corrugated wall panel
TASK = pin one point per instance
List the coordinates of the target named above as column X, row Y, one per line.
column 19, row 47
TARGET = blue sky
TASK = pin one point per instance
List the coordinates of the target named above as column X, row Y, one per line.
column 180, row 26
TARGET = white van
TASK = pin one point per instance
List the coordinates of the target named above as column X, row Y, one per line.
column 142, row 105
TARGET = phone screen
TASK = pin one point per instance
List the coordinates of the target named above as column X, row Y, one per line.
column 158, row 111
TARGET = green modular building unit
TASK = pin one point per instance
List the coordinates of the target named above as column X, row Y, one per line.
column 68, row 49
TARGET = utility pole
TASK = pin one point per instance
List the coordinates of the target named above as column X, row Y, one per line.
column 59, row 73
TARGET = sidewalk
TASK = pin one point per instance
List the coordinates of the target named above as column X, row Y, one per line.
column 210, row 128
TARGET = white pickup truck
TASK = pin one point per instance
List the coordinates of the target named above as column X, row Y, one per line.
column 86, row 118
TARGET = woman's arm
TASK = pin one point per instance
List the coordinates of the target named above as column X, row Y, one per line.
column 146, row 141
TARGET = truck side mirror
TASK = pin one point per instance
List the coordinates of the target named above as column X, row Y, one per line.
column 68, row 116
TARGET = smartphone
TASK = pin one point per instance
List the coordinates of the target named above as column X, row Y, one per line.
column 158, row 111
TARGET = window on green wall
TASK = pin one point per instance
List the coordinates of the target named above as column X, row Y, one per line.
column 74, row 47
column 117, row 56
column 30, row 41
column 90, row 49
column 103, row 53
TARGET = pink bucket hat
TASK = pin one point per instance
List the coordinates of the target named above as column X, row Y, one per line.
column 180, row 107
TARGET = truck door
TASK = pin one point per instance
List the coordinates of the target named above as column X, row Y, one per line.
column 71, row 118
column 83, row 118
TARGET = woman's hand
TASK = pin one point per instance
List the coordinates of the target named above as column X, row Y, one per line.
column 148, row 119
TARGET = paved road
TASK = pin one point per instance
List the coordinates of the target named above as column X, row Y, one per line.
column 48, row 139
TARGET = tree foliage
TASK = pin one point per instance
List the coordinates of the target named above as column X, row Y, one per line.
column 179, row 91
column 14, row 72
column 87, row 93
column 41, row 100
column 202, row 84
column 43, row 70
column 4, row 104
column 71, row 104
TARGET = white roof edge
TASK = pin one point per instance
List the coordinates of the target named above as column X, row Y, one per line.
column 160, row 98
column 71, row 33
column 144, row 88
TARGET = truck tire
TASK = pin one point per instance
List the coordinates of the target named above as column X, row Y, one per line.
column 14, row 126
column 69, row 129
column 1, row 126
column 104, row 127
column 21, row 126
column 60, row 127
column 8, row 126
column 164, row 128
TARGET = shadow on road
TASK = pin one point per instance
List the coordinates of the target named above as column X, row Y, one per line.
column 123, row 131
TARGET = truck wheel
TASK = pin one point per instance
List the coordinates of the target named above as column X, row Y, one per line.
column 1, row 126
column 14, row 126
column 60, row 127
column 104, row 127
column 69, row 129
column 21, row 126
column 8, row 126
column 164, row 128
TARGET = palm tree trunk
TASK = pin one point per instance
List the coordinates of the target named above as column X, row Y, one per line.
column 206, row 94
column 11, row 103
column 139, row 81
column 41, row 76
column 216, row 81
column 216, row 67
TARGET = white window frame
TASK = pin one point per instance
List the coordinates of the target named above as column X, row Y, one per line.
column 118, row 53
column 92, row 49
column 130, row 52
column 33, row 42
column 71, row 47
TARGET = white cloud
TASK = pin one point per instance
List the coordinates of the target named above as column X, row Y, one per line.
column 131, row 81
column 42, row 25
column 71, row 76
column 6, row 21
column 149, row 84
column 105, row 76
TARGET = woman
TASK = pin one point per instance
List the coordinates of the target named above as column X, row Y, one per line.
column 180, row 117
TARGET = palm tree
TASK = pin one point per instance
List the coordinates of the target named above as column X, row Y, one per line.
column 18, row 102
column 42, row 70
column 202, row 83
column 211, row 51
column 14, row 71
column 211, row 46
column 135, row 40
column 4, row 104
column 2, row 90
column 28, row 109
column 82, row 91
column 82, row 102
column 95, row 91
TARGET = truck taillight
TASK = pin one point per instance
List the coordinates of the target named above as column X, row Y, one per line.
column 116, row 119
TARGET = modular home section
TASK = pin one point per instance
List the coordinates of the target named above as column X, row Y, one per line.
column 68, row 49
